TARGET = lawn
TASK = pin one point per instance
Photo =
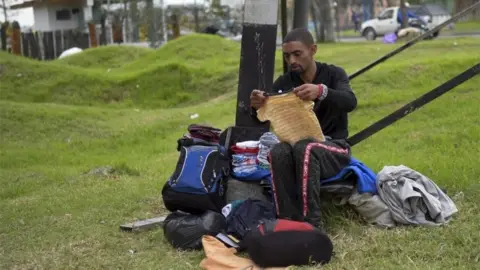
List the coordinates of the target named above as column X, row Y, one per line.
column 61, row 119
column 465, row 27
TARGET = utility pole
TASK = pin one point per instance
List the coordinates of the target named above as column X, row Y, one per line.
column 300, row 17
column 284, row 21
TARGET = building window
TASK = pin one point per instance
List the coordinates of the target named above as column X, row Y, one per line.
column 63, row 15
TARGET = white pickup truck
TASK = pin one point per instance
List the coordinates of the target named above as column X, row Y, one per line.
column 386, row 22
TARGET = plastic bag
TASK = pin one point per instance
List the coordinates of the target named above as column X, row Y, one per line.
column 184, row 231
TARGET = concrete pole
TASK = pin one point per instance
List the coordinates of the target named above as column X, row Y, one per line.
column 257, row 59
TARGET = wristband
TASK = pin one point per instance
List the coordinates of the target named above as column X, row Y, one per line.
column 323, row 92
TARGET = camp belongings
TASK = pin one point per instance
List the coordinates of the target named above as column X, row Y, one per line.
column 292, row 118
column 198, row 181
column 263, row 237
column 266, row 142
column 282, row 242
column 220, row 257
column 376, row 204
column 414, row 198
column 244, row 158
column 185, row 231
column 247, row 215
column 249, row 159
column 203, row 132
column 251, row 175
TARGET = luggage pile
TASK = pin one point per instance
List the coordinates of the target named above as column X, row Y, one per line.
column 200, row 206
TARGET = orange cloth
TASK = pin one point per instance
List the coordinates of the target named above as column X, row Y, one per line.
column 292, row 119
column 219, row 257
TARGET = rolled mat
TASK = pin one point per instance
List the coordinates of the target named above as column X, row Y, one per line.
column 287, row 248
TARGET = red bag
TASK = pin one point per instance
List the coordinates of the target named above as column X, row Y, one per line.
column 280, row 225
column 282, row 242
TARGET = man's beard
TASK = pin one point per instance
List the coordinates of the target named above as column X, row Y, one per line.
column 299, row 70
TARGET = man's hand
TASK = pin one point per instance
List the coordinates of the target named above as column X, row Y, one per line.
column 257, row 99
column 307, row 91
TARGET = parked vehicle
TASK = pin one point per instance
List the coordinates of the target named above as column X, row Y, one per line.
column 432, row 14
column 423, row 17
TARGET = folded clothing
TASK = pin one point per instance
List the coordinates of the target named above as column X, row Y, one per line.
column 248, row 144
column 267, row 141
column 245, row 163
column 240, row 150
column 240, row 160
column 247, row 169
column 262, row 164
column 250, row 173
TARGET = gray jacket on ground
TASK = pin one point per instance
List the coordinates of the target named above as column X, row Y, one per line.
column 413, row 198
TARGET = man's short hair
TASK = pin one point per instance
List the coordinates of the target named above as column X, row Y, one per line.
column 299, row 34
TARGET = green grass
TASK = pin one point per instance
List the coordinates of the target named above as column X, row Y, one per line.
column 54, row 216
column 140, row 78
column 112, row 56
column 465, row 27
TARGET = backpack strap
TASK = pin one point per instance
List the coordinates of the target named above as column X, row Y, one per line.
column 185, row 141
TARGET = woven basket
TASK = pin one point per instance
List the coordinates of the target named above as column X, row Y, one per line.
column 292, row 119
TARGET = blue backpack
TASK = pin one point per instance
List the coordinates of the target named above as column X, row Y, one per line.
column 198, row 181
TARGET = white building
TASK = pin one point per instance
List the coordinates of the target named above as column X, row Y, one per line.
column 232, row 3
column 52, row 15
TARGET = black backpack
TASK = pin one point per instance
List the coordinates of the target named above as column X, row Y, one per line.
column 247, row 216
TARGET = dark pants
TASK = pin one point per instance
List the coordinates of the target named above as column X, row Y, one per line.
column 297, row 172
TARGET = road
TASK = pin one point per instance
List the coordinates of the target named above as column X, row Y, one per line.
column 455, row 35
column 341, row 39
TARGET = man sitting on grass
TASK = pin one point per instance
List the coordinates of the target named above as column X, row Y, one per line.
column 298, row 169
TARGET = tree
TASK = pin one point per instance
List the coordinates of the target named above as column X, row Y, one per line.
column 403, row 9
column 216, row 7
column 391, row 3
column 327, row 21
column 5, row 8
column 133, row 14
column 300, row 17
column 313, row 14
column 195, row 16
column 152, row 27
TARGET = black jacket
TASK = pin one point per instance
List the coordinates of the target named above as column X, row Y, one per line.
column 332, row 111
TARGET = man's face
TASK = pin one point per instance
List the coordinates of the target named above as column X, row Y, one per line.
column 298, row 55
